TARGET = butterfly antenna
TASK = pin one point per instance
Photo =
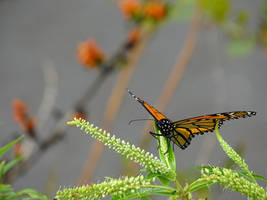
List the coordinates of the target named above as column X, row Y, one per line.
column 136, row 97
column 132, row 94
column 135, row 120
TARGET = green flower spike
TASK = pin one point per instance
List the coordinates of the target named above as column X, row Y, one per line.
column 145, row 159
column 232, row 154
column 114, row 187
column 232, row 180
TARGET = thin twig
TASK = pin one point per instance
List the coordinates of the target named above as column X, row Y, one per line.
column 92, row 89
column 57, row 134
column 49, row 96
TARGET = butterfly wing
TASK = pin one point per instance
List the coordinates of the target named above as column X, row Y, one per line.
column 153, row 111
column 188, row 128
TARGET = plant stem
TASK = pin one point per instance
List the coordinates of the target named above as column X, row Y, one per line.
column 179, row 186
column 164, row 191
column 195, row 182
column 159, row 187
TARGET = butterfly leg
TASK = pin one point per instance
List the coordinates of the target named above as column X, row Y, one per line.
column 155, row 134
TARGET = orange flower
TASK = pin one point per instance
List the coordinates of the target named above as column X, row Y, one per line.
column 90, row 54
column 28, row 125
column 155, row 10
column 21, row 116
column 20, row 110
column 79, row 115
column 18, row 149
column 19, row 105
column 129, row 7
column 134, row 36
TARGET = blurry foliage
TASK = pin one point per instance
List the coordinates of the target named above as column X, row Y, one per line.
column 233, row 23
column 6, row 190
column 240, row 47
column 242, row 18
column 182, row 10
column 264, row 13
column 263, row 26
column 218, row 10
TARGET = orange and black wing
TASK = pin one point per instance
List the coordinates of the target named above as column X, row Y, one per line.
column 188, row 128
column 153, row 111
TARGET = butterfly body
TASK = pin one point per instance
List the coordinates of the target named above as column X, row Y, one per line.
column 181, row 132
column 165, row 126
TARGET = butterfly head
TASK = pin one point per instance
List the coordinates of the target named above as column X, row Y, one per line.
column 165, row 126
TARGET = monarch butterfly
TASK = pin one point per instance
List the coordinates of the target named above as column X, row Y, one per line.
column 181, row 132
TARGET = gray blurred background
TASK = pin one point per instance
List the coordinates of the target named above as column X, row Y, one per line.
column 36, row 33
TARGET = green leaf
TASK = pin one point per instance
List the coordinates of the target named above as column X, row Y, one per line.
column 151, row 175
column 6, row 191
column 5, row 148
column 2, row 167
column 4, row 188
column 256, row 176
column 144, row 198
column 27, row 198
column 164, row 180
column 206, row 167
column 240, row 47
column 32, row 193
column 166, row 156
column 115, row 197
column 199, row 185
column 165, row 150
column 259, row 177
column 12, row 163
